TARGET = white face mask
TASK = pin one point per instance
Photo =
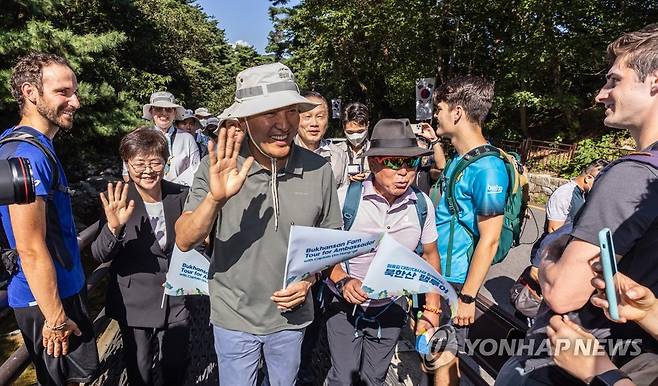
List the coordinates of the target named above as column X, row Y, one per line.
column 356, row 138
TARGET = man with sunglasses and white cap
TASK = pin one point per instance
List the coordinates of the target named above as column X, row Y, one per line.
column 249, row 192
column 362, row 333
column 163, row 110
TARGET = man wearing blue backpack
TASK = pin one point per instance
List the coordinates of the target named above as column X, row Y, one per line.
column 362, row 333
column 469, row 216
column 47, row 286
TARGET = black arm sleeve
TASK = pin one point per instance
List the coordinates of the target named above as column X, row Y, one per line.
column 106, row 246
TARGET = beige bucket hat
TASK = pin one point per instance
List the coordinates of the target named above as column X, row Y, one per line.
column 162, row 99
column 202, row 113
column 188, row 114
column 265, row 88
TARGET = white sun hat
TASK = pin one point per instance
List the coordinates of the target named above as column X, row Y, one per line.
column 162, row 99
column 264, row 88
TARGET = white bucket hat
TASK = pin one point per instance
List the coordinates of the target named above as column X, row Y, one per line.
column 226, row 115
column 188, row 114
column 265, row 88
column 202, row 113
column 162, row 99
column 212, row 121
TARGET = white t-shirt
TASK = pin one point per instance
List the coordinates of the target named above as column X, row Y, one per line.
column 559, row 204
column 155, row 211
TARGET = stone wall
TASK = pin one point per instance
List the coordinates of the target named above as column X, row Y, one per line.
column 542, row 186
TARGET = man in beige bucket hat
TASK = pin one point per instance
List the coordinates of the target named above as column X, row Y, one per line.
column 251, row 207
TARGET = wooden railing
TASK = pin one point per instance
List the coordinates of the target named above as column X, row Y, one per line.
column 542, row 155
column 14, row 366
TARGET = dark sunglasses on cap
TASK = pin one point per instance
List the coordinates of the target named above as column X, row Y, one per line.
column 396, row 163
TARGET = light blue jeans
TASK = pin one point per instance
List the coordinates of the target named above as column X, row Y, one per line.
column 238, row 355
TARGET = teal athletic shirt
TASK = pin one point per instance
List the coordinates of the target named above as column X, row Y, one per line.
column 481, row 190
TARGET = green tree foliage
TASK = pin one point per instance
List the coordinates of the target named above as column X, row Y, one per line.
column 121, row 51
column 546, row 56
column 609, row 147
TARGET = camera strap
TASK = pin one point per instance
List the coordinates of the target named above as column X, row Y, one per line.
column 20, row 136
column 54, row 246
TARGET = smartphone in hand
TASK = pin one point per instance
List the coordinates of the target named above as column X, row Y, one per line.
column 609, row 264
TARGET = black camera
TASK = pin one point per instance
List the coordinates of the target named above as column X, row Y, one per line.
column 16, row 182
column 16, row 187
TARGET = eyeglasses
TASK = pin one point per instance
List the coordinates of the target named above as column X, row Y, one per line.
column 140, row 167
column 396, row 163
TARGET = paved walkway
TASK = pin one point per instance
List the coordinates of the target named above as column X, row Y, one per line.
column 405, row 367
column 502, row 276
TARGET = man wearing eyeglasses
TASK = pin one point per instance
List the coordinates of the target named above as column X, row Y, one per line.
column 362, row 333
column 163, row 110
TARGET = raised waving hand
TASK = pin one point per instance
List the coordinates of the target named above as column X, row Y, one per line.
column 224, row 178
column 117, row 209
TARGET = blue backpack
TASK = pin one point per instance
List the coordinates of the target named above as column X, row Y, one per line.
column 351, row 207
column 353, row 198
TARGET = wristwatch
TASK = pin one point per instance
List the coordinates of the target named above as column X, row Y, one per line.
column 608, row 378
column 434, row 142
column 341, row 283
column 468, row 299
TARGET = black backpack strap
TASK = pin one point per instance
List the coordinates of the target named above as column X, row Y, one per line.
column 21, row 136
column 172, row 131
column 172, row 138
column 55, row 245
